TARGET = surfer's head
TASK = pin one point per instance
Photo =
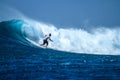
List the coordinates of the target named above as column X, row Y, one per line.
column 49, row 34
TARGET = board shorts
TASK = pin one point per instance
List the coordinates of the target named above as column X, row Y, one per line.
column 45, row 42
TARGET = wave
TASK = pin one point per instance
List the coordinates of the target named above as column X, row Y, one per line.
column 96, row 41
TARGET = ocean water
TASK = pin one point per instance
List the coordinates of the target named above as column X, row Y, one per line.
column 20, row 59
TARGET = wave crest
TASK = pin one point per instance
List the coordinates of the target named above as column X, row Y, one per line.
column 96, row 41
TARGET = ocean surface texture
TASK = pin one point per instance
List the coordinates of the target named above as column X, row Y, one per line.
column 20, row 59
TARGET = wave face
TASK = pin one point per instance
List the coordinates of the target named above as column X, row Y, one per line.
column 96, row 41
column 19, row 57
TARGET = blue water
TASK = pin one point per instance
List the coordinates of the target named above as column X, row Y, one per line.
column 20, row 60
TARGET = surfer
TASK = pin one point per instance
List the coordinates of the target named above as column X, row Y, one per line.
column 45, row 40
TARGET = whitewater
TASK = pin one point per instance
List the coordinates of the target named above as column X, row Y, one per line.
column 99, row 40
column 84, row 53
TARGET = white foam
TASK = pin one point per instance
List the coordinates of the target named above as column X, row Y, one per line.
column 99, row 41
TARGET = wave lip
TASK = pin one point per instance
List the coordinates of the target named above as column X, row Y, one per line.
column 12, row 29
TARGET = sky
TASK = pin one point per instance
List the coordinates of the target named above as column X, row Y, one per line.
column 70, row 13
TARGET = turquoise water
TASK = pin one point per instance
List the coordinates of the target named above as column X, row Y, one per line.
column 21, row 60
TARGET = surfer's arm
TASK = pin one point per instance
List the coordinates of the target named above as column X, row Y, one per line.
column 50, row 39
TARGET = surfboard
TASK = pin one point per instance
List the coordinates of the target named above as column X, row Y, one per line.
column 38, row 44
column 42, row 46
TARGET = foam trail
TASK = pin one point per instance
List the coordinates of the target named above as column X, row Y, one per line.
column 99, row 41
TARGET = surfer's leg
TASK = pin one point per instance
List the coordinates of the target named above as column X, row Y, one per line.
column 43, row 43
column 46, row 44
